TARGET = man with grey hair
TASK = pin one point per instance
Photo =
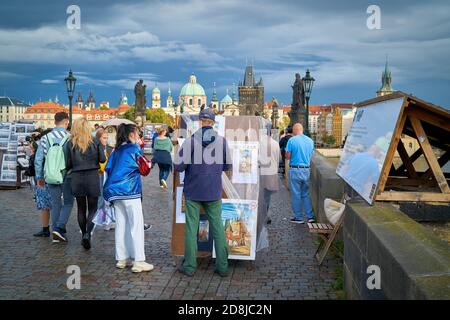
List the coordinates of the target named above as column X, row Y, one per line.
column 299, row 150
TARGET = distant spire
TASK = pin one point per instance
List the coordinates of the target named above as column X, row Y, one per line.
column 233, row 94
column 214, row 95
column 169, row 92
column 386, row 80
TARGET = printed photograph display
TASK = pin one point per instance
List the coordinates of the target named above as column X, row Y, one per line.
column 203, row 231
column 366, row 146
column 245, row 161
column 239, row 219
column 180, row 206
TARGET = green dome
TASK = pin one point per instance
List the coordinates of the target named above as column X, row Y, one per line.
column 156, row 90
column 192, row 88
column 227, row 99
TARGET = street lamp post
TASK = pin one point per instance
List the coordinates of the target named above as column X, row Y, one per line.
column 308, row 83
column 70, row 84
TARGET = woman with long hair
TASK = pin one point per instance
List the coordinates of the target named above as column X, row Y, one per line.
column 161, row 155
column 123, row 187
column 84, row 158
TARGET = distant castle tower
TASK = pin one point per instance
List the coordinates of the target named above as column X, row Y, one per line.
column 91, row 101
column 386, row 81
column 251, row 93
column 156, row 97
column 214, row 100
column 169, row 100
column 80, row 102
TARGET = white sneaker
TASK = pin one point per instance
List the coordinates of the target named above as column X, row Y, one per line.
column 141, row 266
column 122, row 264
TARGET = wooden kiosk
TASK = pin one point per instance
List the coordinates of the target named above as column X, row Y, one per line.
column 422, row 124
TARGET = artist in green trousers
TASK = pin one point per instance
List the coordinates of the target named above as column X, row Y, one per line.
column 203, row 188
column 213, row 210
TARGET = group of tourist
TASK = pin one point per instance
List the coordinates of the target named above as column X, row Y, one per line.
column 74, row 165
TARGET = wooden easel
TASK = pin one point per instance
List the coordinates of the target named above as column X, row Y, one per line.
column 430, row 126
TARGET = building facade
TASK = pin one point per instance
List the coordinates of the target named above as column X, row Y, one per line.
column 12, row 109
column 156, row 98
column 43, row 113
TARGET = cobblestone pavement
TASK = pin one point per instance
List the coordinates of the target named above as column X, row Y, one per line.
column 34, row 268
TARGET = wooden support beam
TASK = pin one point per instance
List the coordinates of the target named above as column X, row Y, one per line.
column 398, row 182
column 429, row 154
column 413, row 196
column 406, row 160
column 442, row 162
column 416, row 155
column 396, row 136
column 429, row 117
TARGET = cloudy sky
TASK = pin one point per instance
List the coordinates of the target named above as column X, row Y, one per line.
column 165, row 41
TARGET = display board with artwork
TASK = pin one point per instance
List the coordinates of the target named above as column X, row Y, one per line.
column 240, row 194
column 397, row 150
column 13, row 146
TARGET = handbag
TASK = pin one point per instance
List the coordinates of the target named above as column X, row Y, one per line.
column 145, row 165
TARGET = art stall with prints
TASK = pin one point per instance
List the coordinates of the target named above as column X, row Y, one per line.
column 14, row 147
column 240, row 194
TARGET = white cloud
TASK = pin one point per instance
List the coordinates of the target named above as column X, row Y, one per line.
column 50, row 81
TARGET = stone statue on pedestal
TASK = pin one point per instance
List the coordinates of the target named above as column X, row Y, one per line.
column 275, row 116
column 140, row 100
column 298, row 110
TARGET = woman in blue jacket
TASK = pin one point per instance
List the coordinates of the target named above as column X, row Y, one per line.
column 123, row 188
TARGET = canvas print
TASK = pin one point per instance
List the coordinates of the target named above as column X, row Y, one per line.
column 8, row 176
column 180, row 206
column 203, row 231
column 245, row 162
column 239, row 219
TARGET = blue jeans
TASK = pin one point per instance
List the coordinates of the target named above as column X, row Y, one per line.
column 299, row 185
column 61, row 208
column 164, row 171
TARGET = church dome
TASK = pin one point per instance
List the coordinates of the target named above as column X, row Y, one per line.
column 192, row 88
column 156, row 90
column 227, row 99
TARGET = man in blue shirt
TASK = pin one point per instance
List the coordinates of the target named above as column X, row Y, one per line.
column 299, row 150
column 61, row 209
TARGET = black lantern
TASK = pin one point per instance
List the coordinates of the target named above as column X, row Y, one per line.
column 70, row 85
column 308, row 83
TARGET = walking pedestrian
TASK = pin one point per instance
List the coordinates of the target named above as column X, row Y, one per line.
column 161, row 156
column 269, row 181
column 53, row 149
column 299, row 150
column 84, row 158
column 123, row 187
column 41, row 194
column 283, row 143
column 203, row 188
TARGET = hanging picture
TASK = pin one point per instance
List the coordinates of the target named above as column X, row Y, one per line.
column 180, row 206
column 219, row 125
column 245, row 161
column 239, row 219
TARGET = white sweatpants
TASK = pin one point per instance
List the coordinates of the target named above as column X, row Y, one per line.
column 129, row 230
